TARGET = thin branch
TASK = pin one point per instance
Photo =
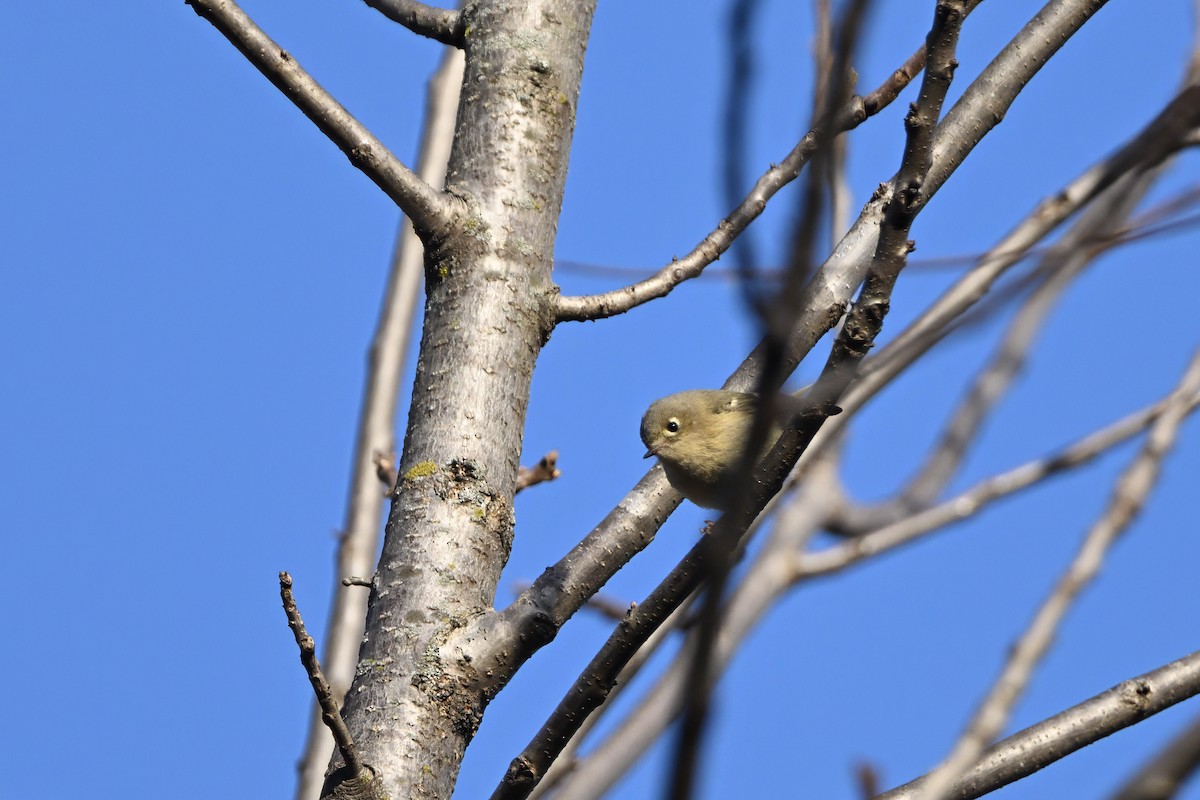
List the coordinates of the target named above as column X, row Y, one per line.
column 1040, row 745
column 1164, row 775
column 330, row 713
column 632, row 739
column 430, row 211
column 983, row 494
column 853, row 114
column 1162, row 137
column 562, row 777
column 1128, row 497
column 545, row 470
column 1061, row 266
column 739, row 92
column 441, row 24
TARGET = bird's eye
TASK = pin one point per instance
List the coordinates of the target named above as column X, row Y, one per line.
column 672, row 426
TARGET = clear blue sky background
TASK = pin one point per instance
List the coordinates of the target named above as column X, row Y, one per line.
column 192, row 275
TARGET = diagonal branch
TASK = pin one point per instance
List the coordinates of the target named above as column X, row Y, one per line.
column 1061, row 266
column 1163, row 775
column 441, row 24
column 971, row 502
column 1128, row 497
column 1040, row 745
column 430, row 211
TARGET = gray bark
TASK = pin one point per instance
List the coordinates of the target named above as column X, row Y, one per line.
column 488, row 311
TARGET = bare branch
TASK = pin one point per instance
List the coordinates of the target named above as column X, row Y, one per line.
column 562, row 776
column 767, row 578
column 975, row 499
column 1163, row 776
column 1157, row 141
column 1061, row 266
column 1040, row 745
column 1127, row 500
column 856, row 338
column 853, row 114
column 430, row 211
column 441, row 24
column 545, row 470
column 308, row 657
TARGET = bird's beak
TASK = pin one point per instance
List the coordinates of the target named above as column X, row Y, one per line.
column 650, row 451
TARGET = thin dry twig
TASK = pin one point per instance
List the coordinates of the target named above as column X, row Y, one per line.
column 385, row 468
column 1128, row 497
column 1040, row 745
column 429, row 210
column 545, row 470
column 974, row 500
column 330, row 713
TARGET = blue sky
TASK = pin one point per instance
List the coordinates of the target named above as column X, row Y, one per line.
column 193, row 274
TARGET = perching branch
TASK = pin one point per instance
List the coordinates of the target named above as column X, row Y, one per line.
column 441, row 24
column 430, row 211
column 1040, row 745
column 1128, row 497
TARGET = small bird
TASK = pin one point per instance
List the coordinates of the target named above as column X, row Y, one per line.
column 698, row 436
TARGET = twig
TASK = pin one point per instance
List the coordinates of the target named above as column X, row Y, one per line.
column 561, row 776
column 739, row 92
column 1163, row 775
column 545, row 470
column 853, row 114
column 429, row 211
column 1128, row 497
column 1040, row 745
column 330, row 713
column 978, row 497
column 354, row 580
column 441, row 24
column 385, row 467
